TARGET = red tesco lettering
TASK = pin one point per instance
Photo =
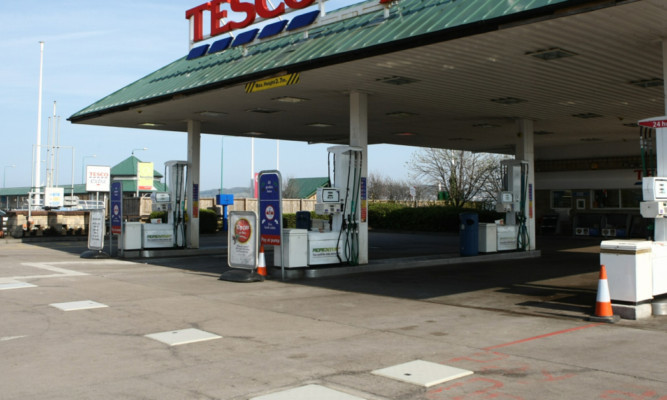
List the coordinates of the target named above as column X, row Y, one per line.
column 251, row 11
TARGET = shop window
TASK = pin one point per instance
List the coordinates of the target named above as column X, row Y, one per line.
column 561, row 199
column 630, row 198
column 606, row 198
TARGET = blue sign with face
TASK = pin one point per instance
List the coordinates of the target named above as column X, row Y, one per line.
column 116, row 207
column 270, row 215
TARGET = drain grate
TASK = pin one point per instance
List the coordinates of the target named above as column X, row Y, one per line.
column 78, row 305
column 308, row 392
column 183, row 336
column 423, row 373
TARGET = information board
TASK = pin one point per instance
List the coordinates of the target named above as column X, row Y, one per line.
column 242, row 240
column 270, row 210
column 96, row 230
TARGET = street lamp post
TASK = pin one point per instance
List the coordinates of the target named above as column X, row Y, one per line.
column 4, row 173
column 143, row 148
column 83, row 167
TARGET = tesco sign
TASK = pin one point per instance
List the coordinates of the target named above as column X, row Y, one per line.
column 251, row 10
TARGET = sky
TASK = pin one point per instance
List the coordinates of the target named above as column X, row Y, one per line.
column 94, row 48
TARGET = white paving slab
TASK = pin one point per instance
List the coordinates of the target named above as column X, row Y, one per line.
column 423, row 373
column 78, row 305
column 308, row 392
column 15, row 285
column 183, row 336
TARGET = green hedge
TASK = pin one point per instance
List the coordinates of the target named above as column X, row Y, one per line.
column 398, row 217
column 394, row 216
column 208, row 220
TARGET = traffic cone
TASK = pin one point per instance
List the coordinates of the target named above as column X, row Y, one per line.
column 603, row 310
column 261, row 267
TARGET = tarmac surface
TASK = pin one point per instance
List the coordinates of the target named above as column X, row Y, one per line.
column 519, row 325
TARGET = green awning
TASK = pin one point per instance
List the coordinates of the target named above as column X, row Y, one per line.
column 409, row 23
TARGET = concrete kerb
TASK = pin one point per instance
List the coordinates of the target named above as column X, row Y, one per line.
column 393, row 264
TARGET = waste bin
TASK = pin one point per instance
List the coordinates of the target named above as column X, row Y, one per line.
column 468, row 234
column 303, row 220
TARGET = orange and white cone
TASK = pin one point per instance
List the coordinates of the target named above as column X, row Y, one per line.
column 603, row 310
column 261, row 267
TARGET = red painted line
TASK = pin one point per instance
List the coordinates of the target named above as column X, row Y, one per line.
column 543, row 336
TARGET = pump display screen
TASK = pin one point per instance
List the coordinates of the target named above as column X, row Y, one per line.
column 330, row 196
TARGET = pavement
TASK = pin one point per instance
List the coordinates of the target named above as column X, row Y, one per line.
column 518, row 325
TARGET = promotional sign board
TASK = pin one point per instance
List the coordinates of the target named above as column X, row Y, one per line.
column 145, row 176
column 242, row 240
column 270, row 202
column 116, row 208
column 98, row 178
column 96, row 230
column 54, row 197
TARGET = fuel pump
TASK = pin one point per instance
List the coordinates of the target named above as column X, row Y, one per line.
column 170, row 233
column 512, row 201
column 176, row 184
column 341, row 203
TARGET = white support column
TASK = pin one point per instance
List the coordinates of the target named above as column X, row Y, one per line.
column 525, row 151
column 359, row 138
column 192, row 182
column 660, row 233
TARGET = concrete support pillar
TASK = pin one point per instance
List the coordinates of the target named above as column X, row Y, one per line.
column 660, row 234
column 359, row 138
column 525, row 151
column 192, row 184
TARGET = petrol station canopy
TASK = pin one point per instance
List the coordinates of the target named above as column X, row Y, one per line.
column 453, row 74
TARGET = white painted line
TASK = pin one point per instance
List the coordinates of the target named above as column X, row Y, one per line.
column 183, row 336
column 58, row 271
column 308, row 392
column 423, row 373
column 15, row 285
column 78, row 305
column 6, row 338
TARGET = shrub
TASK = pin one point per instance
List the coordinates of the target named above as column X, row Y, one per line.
column 208, row 221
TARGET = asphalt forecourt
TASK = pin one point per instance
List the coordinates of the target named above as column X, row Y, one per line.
column 169, row 329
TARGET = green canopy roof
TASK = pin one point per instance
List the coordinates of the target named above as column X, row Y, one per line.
column 409, row 23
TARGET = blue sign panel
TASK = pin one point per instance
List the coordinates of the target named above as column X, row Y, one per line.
column 116, row 207
column 270, row 214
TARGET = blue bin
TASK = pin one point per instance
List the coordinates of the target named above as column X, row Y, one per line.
column 468, row 234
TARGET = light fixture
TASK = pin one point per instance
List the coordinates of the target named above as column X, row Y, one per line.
column 397, row 80
column 404, row 134
column 151, row 124
column 320, row 125
column 261, row 110
column 553, row 53
column 587, row 115
column 508, row 100
column 647, row 83
column 290, row 99
column 213, row 114
column 401, row 114
column 253, row 133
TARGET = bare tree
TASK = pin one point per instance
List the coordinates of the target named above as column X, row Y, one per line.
column 290, row 188
column 466, row 176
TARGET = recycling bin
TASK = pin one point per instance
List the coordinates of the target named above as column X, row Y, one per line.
column 469, row 234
